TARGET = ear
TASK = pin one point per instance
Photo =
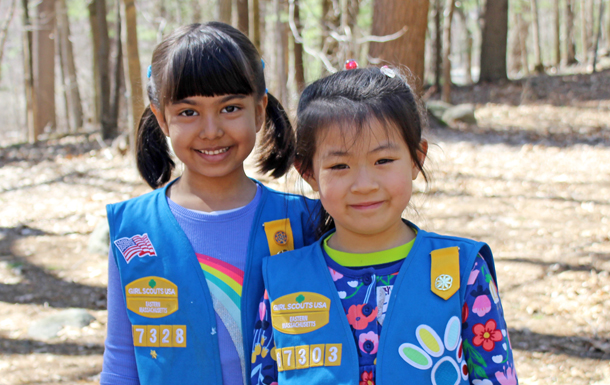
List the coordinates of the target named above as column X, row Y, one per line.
column 160, row 119
column 260, row 112
column 421, row 156
column 307, row 176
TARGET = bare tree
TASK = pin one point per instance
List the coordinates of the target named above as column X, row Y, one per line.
column 196, row 11
column 44, row 66
column 225, row 11
column 438, row 43
column 494, row 41
column 75, row 107
column 281, row 52
column 557, row 23
column 569, row 28
column 118, row 76
column 449, row 9
column 523, row 32
column 299, row 69
column 28, row 72
column 4, row 30
column 599, row 34
column 468, row 44
column 390, row 16
column 101, row 55
column 256, row 24
column 538, row 66
column 242, row 16
column 584, row 38
column 134, row 86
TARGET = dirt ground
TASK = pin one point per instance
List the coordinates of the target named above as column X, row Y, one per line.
column 532, row 179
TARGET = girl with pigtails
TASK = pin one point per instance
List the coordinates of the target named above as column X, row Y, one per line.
column 185, row 259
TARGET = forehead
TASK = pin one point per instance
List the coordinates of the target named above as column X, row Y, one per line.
column 351, row 139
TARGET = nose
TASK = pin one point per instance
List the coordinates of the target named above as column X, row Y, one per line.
column 365, row 181
column 210, row 128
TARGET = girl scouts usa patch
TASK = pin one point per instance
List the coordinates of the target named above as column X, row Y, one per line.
column 138, row 245
column 300, row 313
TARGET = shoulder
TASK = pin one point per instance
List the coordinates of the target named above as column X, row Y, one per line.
column 451, row 240
column 289, row 198
column 134, row 202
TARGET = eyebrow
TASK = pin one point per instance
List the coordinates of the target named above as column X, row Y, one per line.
column 339, row 153
column 222, row 100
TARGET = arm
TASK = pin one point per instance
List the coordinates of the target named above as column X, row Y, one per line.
column 487, row 349
column 119, row 356
column 264, row 367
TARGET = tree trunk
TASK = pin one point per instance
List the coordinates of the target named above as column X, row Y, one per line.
column 468, row 44
column 584, row 41
column 299, row 70
column 196, row 11
column 44, row 66
column 63, row 74
column 330, row 21
column 96, row 71
column 281, row 63
column 117, row 71
column 242, row 17
column 523, row 31
column 4, row 30
column 557, row 33
column 256, row 24
column 515, row 64
column 67, row 62
column 494, row 41
column 390, row 16
column 28, row 72
column 599, row 34
column 101, row 55
column 134, row 70
column 438, row 45
column 449, row 9
column 538, row 66
column 224, row 11
column 569, row 28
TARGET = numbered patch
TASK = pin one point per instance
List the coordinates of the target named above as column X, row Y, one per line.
column 308, row 356
column 159, row 336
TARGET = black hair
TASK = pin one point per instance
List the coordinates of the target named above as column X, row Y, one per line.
column 349, row 100
column 210, row 59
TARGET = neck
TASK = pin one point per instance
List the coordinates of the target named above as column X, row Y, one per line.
column 350, row 242
column 197, row 192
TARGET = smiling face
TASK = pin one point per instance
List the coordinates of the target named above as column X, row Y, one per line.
column 213, row 136
column 365, row 183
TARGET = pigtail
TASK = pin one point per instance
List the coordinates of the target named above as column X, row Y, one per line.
column 152, row 152
column 277, row 145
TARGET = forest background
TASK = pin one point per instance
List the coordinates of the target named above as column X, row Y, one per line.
column 518, row 95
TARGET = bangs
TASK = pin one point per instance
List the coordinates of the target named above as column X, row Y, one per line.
column 206, row 62
column 352, row 118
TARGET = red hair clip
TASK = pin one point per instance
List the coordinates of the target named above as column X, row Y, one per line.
column 351, row 64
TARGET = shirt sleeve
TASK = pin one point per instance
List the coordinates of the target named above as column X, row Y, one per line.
column 485, row 337
column 264, row 365
column 119, row 367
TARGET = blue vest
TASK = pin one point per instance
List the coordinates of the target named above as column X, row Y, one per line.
column 421, row 336
column 170, row 307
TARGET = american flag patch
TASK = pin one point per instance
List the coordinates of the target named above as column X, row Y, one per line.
column 138, row 245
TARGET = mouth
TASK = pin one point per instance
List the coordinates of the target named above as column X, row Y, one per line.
column 367, row 205
column 217, row 151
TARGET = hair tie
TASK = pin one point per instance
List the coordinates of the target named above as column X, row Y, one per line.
column 262, row 61
column 351, row 64
column 149, row 71
column 266, row 91
column 387, row 71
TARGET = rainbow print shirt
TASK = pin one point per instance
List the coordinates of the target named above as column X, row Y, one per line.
column 225, row 282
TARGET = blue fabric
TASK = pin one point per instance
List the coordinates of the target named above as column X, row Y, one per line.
column 412, row 305
column 183, row 269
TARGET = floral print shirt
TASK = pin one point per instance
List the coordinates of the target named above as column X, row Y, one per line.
column 365, row 293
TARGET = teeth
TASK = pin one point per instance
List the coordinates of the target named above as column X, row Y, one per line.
column 215, row 152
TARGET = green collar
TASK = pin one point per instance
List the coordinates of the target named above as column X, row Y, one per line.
column 367, row 259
